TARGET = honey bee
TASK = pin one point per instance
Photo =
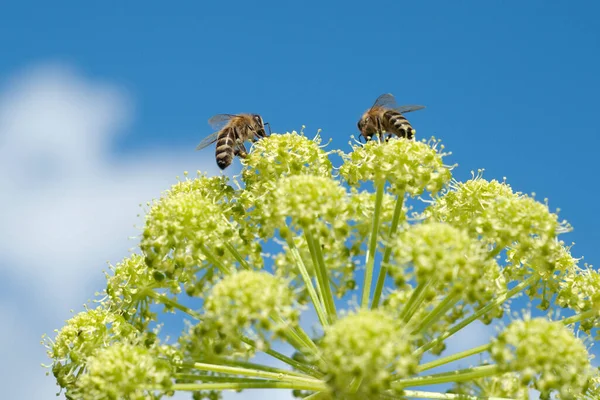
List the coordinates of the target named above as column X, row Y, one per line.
column 386, row 116
column 234, row 130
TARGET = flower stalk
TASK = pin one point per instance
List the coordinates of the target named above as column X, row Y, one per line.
column 370, row 261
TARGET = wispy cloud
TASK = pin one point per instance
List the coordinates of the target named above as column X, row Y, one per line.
column 67, row 206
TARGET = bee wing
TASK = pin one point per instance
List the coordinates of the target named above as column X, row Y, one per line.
column 210, row 139
column 385, row 100
column 219, row 120
column 405, row 109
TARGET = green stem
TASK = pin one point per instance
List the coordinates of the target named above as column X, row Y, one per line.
column 321, row 314
column 498, row 301
column 439, row 311
column 172, row 303
column 580, row 317
column 250, row 365
column 387, row 253
column 193, row 387
column 310, row 370
column 296, row 336
column 214, row 260
column 463, row 375
column 213, row 378
column 453, row 357
column 236, row 254
column 370, row 262
column 418, row 394
column 317, row 396
column 225, row 369
column 416, row 299
column 322, row 276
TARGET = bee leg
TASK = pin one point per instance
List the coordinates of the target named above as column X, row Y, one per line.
column 241, row 151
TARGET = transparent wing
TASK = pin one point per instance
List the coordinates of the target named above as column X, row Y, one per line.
column 405, row 109
column 207, row 141
column 385, row 100
column 219, row 120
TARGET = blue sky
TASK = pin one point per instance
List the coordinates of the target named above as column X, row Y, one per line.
column 511, row 87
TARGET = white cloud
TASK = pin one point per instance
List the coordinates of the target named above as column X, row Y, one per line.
column 66, row 207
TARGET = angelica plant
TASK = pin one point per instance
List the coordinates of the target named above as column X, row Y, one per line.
column 240, row 261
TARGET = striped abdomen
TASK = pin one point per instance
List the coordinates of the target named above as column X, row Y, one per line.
column 397, row 124
column 225, row 144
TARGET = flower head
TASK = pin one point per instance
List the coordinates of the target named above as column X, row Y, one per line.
column 450, row 259
column 580, row 291
column 284, row 155
column 545, row 354
column 358, row 350
column 250, row 299
column 81, row 338
column 124, row 371
column 186, row 232
column 504, row 386
column 491, row 212
column 306, row 200
column 127, row 288
column 410, row 166
column 215, row 188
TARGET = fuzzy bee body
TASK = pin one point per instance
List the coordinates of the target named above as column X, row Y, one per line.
column 386, row 117
column 235, row 130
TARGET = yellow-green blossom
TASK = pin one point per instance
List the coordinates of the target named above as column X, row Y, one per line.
column 409, row 166
column 358, row 351
column 545, row 354
column 124, row 371
column 250, row 299
column 188, row 235
column 284, row 155
column 449, row 259
column 81, row 337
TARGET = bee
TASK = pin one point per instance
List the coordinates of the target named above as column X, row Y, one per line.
column 233, row 131
column 386, row 116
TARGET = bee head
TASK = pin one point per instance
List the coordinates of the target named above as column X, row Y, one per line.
column 260, row 125
column 360, row 124
column 367, row 126
column 258, row 119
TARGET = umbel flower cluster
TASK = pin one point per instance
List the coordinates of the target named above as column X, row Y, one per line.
column 338, row 283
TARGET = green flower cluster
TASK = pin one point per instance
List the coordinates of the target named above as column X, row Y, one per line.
column 124, row 371
column 250, row 299
column 580, row 291
column 409, row 166
column 546, row 354
column 284, row 155
column 358, row 350
column 447, row 258
column 502, row 386
column 188, row 236
column 239, row 261
column 81, row 337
